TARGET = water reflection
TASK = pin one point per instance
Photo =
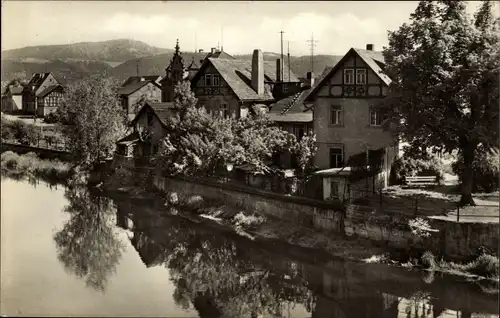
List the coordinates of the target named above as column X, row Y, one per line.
column 223, row 276
column 213, row 275
column 88, row 245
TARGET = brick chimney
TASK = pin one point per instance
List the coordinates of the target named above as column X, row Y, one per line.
column 258, row 72
column 369, row 47
column 310, row 79
column 278, row 70
column 213, row 50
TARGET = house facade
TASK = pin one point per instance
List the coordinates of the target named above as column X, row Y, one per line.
column 12, row 99
column 231, row 86
column 148, row 129
column 348, row 119
column 134, row 91
column 45, row 90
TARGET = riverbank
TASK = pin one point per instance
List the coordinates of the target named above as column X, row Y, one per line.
column 30, row 165
column 269, row 230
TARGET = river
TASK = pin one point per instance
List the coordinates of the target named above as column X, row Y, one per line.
column 68, row 252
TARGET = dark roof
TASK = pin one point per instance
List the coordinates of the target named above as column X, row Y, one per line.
column 238, row 73
column 194, row 65
column 129, row 89
column 48, row 90
column 373, row 59
column 161, row 110
column 129, row 139
column 220, row 55
column 37, row 79
column 16, row 90
column 135, row 79
column 291, row 109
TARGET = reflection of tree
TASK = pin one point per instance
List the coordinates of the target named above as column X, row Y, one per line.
column 87, row 245
column 218, row 277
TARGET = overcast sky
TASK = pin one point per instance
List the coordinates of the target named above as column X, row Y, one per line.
column 246, row 25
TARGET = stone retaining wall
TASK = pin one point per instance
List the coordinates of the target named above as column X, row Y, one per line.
column 452, row 240
column 323, row 215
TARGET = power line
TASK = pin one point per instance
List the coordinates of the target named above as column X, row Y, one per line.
column 288, row 61
column 281, row 62
column 312, row 44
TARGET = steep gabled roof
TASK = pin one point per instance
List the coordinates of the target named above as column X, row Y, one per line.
column 161, row 110
column 49, row 90
column 135, row 79
column 220, row 55
column 238, row 73
column 129, row 89
column 373, row 59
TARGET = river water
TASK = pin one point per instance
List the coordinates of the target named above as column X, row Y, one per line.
column 67, row 252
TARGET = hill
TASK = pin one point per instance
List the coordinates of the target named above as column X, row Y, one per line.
column 113, row 51
column 156, row 64
column 65, row 71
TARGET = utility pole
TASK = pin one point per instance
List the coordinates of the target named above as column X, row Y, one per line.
column 289, row 61
column 312, row 44
column 282, row 64
column 221, row 39
column 195, row 42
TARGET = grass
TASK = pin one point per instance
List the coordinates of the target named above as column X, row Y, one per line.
column 53, row 171
column 485, row 265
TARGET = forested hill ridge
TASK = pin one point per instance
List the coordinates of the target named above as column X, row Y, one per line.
column 120, row 58
column 119, row 50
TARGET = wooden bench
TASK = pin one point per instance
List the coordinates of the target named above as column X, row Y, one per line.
column 421, row 180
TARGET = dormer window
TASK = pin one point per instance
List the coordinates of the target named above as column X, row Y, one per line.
column 349, row 76
column 208, row 79
column 360, row 76
column 285, row 88
column 215, row 80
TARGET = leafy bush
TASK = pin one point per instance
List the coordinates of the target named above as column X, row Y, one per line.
column 51, row 118
column 7, row 130
column 485, row 265
column 485, row 169
column 409, row 166
column 428, row 260
column 30, row 164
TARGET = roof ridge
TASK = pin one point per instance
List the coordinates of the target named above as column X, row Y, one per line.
column 294, row 99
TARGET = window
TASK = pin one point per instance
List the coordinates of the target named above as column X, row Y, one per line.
column 349, row 76
column 377, row 117
column 224, row 110
column 335, row 115
column 208, row 79
column 285, row 88
column 334, row 189
column 216, row 80
column 336, row 158
column 361, row 76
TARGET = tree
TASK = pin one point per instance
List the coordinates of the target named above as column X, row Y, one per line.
column 93, row 119
column 88, row 245
column 305, row 150
column 198, row 141
column 444, row 67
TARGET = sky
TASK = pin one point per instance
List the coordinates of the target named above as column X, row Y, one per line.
column 239, row 26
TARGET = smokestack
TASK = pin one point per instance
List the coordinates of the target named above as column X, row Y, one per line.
column 369, row 47
column 278, row 70
column 310, row 79
column 258, row 72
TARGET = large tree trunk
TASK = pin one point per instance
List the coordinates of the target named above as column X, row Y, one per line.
column 468, row 153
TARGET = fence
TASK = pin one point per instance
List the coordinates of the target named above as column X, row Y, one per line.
column 422, row 206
